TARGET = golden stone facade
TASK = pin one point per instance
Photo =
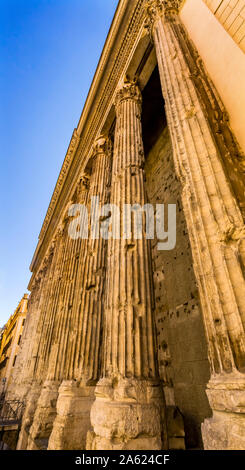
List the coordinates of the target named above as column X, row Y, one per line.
column 125, row 346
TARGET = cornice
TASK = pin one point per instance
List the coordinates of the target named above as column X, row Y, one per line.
column 63, row 172
column 126, row 25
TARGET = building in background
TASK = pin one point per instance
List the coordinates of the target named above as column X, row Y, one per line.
column 126, row 346
column 10, row 337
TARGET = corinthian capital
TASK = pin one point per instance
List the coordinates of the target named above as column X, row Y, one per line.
column 102, row 145
column 81, row 189
column 129, row 91
column 156, row 8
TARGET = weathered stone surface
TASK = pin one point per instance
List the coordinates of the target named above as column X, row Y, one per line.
column 73, row 417
column 213, row 215
column 84, row 345
column 182, row 350
column 124, row 410
column 27, row 419
column 224, row 431
column 126, row 415
column 44, row 417
column 122, row 340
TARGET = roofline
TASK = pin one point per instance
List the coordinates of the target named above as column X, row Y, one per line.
column 118, row 12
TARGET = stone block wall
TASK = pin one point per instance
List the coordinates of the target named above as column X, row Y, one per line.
column 231, row 14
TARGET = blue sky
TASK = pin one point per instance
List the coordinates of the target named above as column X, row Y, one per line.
column 49, row 50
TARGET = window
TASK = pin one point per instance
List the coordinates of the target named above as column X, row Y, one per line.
column 14, row 360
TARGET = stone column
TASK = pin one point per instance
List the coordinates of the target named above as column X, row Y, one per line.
column 127, row 411
column 51, row 345
column 25, row 380
column 34, row 412
column 76, row 393
column 20, row 384
column 206, row 154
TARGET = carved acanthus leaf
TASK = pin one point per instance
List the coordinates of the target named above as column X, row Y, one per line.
column 156, row 8
column 129, row 91
column 102, row 145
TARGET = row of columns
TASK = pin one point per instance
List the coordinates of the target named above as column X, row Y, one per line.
column 69, row 354
column 204, row 149
column 93, row 365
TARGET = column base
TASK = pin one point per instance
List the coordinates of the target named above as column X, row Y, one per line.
column 18, row 391
column 28, row 416
column 226, row 429
column 128, row 414
column 72, row 421
column 44, row 417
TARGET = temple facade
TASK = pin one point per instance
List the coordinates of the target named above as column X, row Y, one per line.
column 128, row 346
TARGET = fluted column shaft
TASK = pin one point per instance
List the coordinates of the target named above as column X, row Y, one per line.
column 130, row 347
column 51, row 324
column 87, row 358
column 32, row 358
column 53, row 329
column 37, row 360
column 83, row 358
column 124, row 406
column 24, row 368
column 212, row 205
column 59, row 321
